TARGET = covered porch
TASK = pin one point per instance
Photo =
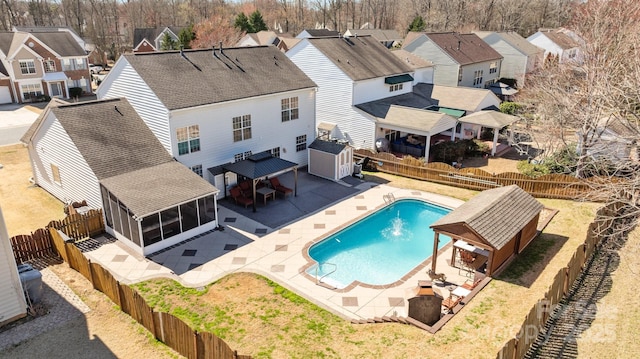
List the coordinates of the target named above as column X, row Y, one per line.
column 475, row 122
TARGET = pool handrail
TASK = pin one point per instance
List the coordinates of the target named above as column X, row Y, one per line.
column 317, row 266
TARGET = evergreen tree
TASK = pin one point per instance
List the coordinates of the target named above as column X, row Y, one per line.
column 417, row 24
column 242, row 23
column 185, row 36
column 168, row 43
column 257, row 22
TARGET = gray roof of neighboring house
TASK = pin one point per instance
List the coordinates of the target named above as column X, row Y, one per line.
column 321, row 32
column 497, row 215
column 62, row 43
column 560, row 38
column 332, row 147
column 456, row 97
column 378, row 34
column 415, row 61
column 514, row 39
column 202, row 77
column 5, row 42
column 465, row 49
column 361, row 57
column 151, row 33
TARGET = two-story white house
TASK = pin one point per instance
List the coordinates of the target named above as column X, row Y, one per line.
column 459, row 59
column 102, row 152
column 520, row 56
column 39, row 64
column 561, row 45
column 215, row 106
column 367, row 93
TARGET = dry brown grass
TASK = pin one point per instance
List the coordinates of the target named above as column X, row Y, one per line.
column 25, row 207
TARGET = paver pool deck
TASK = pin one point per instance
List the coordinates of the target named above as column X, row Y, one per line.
column 249, row 246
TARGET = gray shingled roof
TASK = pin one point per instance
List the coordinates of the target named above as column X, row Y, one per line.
column 201, row 77
column 5, row 42
column 361, row 57
column 560, row 38
column 322, row 32
column 497, row 215
column 332, row 147
column 152, row 189
column 378, row 34
column 111, row 136
column 379, row 108
column 62, row 43
column 260, row 165
column 465, row 49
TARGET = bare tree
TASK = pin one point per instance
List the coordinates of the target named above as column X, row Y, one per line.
column 592, row 105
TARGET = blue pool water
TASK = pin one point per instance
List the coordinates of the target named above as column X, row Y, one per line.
column 381, row 248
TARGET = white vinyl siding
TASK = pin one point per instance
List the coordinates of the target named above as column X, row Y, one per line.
column 123, row 81
column 514, row 64
column 335, row 96
column 469, row 73
column 52, row 145
column 376, row 89
column 12, row 302
column 267, row 129
column 445, row 68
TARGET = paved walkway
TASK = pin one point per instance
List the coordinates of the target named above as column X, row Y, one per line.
column 61, row 302
column 249, row 246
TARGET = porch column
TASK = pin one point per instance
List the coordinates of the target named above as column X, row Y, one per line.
column 295, row 182
column 495, row 141
column 427, row 145
column 253, row 190
column 434, row 255
column 453, row 132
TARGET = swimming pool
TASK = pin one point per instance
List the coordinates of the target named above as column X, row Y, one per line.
column 379, row 249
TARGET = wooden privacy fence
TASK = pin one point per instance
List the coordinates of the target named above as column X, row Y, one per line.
column 79, row 226
column 38, row 245
column 548, row 186
column 163, row 326
column 28, row 247
column 533, row 323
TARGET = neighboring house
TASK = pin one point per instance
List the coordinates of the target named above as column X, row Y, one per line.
column 307, row 33
column 423, row 69
column 259, row 38
column 459, row 59
column 102, row 152
column 39, row 64
column 520, row 56
column 150, row 39
column 388, row 38
column 613, row 140
column 215, row 106
column 559, row 45
column 13, row 305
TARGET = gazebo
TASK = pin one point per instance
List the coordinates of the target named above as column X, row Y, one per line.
column 491, row 119
column 497, row 223
column 261, row 166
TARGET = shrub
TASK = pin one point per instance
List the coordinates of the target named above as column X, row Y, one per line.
column 532, row 169
column 510, row 108
column 75, row 92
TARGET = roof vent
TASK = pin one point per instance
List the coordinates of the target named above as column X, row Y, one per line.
column 118, row 110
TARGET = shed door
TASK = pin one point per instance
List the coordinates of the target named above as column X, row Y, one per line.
column 345, row 163
column 5, row 96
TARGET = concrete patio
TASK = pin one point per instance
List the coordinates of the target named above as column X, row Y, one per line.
column 249, row 245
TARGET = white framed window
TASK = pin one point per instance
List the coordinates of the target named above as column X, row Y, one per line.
column 301, row 143
column 241, row 156
column 493, row 67
column 396, row 87
column 477, row 77
column 188, row 139
column 391, row 135
column 31, row 91
column 27, row 67
column 572, row 53
column 289, row 109
column 55, row 174
column 241, row 128
column 197, row 169
column 275, row 152
column 49, row 66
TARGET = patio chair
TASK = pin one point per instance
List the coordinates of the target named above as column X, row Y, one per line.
column 239, row 198
column 275, row 183
column 451, row 302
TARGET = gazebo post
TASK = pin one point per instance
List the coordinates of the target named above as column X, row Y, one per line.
column 495, row 141
column 427, row 145
column 295, row 181
column 434, row 255
column 253, row 190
